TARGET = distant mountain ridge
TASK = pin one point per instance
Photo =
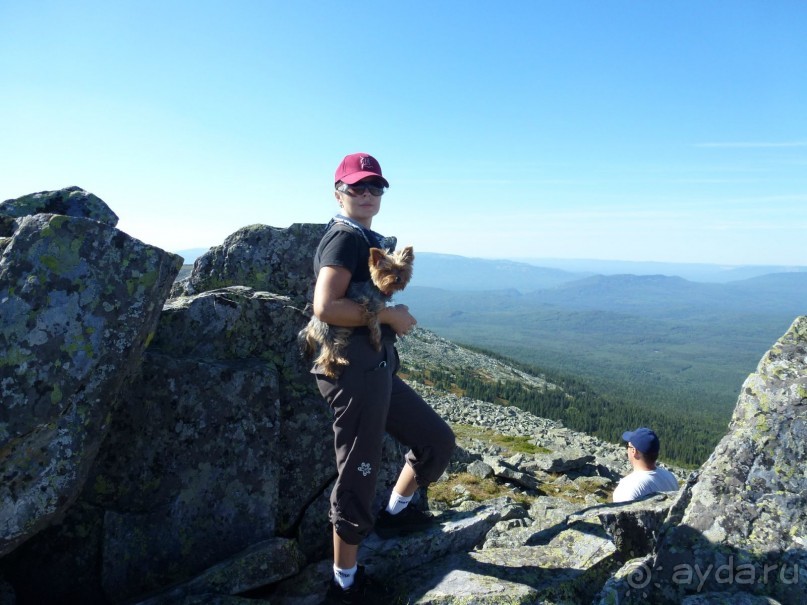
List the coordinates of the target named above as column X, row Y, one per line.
column 783, row 295
column 701, row 272
column 455, row 272
column 452, row 272
column 661, row 342
column 648, row 294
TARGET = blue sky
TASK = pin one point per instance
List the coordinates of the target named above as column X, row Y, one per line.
column 642, row 130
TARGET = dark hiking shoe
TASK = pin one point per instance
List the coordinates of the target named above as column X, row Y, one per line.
column 408, row 521
column 364, row 591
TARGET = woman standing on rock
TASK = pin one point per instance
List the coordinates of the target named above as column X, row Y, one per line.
column 368, row 398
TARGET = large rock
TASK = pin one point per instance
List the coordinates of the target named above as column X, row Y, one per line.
column 260, row 257
column 79, row 301
column 262, row 563
column 564, row 460
column 196, row 484
column 245, row 326
column 634, row 527
column 742, row 526
column 221, row 441
column 568, row 569
column 71, row 201
column 221, row 412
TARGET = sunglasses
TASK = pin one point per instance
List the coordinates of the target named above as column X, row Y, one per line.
column 359, row 189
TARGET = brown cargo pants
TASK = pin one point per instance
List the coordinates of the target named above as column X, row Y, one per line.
column 367, row 400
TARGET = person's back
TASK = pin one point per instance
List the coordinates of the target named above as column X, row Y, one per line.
column 641, row 483
column 646, row 478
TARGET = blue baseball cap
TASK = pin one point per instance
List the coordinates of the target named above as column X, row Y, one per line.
column 643, row 439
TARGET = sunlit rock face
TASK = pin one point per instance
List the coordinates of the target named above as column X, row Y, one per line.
column 79, row 301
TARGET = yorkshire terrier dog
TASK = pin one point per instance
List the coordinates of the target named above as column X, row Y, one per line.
column 390, row 272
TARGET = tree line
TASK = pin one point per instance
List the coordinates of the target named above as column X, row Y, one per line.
column 686, row 442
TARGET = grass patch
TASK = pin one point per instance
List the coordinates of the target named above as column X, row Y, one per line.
column 512, row 444
column 521, row 444
column 578, row 492
column 465, row 486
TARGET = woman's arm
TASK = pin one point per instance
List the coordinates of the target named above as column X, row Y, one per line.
column 331, row 306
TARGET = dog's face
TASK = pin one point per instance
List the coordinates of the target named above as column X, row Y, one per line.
column 391, row 272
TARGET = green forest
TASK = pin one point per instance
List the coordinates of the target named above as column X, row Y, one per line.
column 628, row 350
column 580, row 408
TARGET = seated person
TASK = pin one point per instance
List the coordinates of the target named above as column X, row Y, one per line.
column 646, row 478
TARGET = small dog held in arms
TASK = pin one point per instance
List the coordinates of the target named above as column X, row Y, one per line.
column 390, row 272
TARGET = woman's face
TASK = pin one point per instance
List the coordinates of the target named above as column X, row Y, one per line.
column 359, row 203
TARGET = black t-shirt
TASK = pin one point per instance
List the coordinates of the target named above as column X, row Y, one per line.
column 344, row 247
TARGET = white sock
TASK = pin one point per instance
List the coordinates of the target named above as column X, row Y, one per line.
column 397, row 502
column 344, row 577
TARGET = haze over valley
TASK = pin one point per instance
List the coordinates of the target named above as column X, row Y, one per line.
column 667, row 346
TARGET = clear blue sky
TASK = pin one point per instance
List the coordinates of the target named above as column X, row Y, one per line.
column 642, row 130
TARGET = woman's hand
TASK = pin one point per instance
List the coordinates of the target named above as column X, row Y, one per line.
column 398, row 318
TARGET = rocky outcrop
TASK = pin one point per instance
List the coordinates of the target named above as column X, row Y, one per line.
column 187, row 458
column 219, row 443
column 219, row 432
column 259, row 257
column 71, row 201
column 741, row 526
column 79, row 301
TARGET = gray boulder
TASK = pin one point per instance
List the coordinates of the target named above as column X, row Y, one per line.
column 79, row 301
column 567, row 569
column 261, row 257
column 70, row 201
column 262, row 563
column 220, row 414
column 564, row 460
column 210, row 430
column 221, row 441
column 634, row 527
column 504, row 470
column 194, row 485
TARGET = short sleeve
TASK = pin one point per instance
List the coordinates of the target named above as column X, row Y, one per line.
column 343, row 248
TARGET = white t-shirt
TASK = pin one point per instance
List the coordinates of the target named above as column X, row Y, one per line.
column 641, row 483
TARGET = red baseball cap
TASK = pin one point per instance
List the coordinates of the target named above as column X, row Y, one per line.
column 358, row 166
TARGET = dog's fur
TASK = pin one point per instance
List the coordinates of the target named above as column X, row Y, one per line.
column 390, row 272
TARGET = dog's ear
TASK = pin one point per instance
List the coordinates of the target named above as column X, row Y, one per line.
column 408, row 254
column 376, row 256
